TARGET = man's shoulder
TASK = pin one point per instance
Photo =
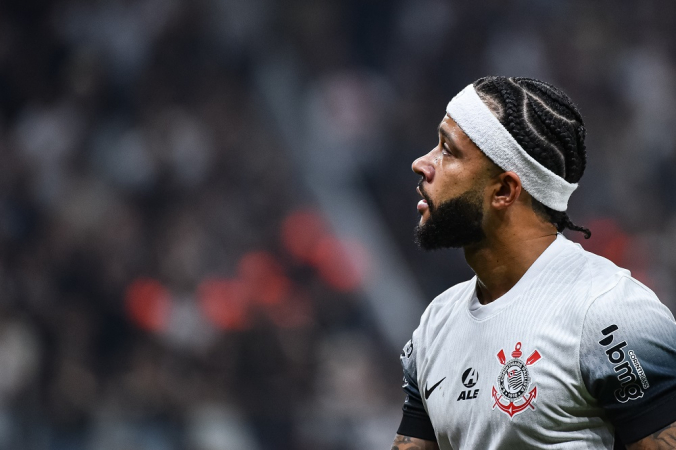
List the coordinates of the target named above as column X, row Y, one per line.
column 455, row 293
column 438, row 312
column 616, row 287
column 450, row 298
column 603, row 274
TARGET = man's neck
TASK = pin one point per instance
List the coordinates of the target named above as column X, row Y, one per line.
column 500, row 261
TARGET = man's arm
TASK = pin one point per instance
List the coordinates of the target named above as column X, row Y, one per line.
column 409, row 443
column 665, row 439
column 628, row 363
column 415, row 421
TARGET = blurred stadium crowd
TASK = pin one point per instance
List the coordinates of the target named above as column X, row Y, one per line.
column 167, row 279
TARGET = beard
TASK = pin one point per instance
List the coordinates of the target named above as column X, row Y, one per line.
column 454, row 223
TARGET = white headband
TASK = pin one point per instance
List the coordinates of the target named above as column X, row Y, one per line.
column 483, row 128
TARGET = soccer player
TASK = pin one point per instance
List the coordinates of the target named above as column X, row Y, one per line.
column 548, row 346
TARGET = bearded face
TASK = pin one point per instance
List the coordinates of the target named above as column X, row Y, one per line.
column 453, row 223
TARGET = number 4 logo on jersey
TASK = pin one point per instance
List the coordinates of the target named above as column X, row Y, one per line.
column 513, row 382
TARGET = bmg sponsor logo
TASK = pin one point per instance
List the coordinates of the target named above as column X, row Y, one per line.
column 629, row 372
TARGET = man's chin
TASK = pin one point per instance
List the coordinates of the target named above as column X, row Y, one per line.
column 454, row 223
column 432, row 239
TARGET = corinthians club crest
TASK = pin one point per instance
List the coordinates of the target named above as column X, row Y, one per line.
column 513, row 382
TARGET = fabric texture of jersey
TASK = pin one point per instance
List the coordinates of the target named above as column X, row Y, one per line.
column 574, row 353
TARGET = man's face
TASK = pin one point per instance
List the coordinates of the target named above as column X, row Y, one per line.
column 454, row 175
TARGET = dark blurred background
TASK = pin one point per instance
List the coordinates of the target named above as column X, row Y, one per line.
column 207, row 208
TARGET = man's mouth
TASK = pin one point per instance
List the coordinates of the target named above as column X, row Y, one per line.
column 422, row 204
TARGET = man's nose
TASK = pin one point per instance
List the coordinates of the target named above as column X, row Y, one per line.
column 423, row 167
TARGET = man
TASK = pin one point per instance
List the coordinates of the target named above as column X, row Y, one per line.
column 548, row 346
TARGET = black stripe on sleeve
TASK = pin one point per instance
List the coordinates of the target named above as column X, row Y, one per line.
column 416, row 426
column 658, row 415
column 415, row 421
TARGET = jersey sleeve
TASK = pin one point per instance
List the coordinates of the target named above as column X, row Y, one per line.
column 415, row 421
column 628, row 359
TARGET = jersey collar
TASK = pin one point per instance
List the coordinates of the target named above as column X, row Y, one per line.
column 482, row 312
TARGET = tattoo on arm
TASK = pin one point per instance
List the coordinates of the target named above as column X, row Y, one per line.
column 664, row 439
column 409, row 443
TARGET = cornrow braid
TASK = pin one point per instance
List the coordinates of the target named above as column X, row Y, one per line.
column 549, row 127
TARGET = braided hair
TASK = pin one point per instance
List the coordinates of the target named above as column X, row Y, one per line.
column 549, row 127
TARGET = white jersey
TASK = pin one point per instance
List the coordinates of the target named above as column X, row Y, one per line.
column 576, row 349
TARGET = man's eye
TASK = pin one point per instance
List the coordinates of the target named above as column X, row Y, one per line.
column 445, row 150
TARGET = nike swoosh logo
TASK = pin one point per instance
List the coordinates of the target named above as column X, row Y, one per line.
column 429, row 391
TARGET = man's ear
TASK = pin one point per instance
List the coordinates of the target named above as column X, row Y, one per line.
column 507, row 190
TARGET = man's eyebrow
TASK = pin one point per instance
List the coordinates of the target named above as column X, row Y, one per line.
column 446, row 135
